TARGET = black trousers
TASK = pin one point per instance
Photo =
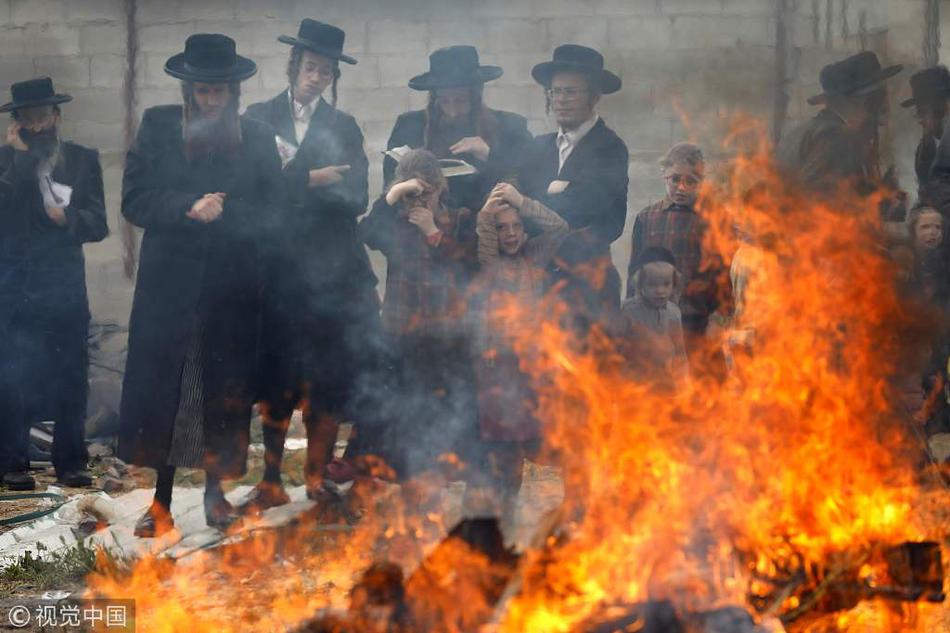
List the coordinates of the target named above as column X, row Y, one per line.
column 44, row 375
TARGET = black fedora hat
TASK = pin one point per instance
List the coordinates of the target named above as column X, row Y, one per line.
column 33, row 92
column 929, row 84
column 852, row 76
column 323, row 39
column 577, row 58
column 454, row 67
column 210, row 58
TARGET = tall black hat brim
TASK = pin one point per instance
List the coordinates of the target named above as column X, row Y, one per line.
column 609, row 82
column 431, row 81
column 884, row 73
column 316, row 48
column 30, row 103
column 242, row 69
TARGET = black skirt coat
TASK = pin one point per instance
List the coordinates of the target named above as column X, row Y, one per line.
column 193, row 278
column 507, row 149
column 321, row 307
column 44, row 312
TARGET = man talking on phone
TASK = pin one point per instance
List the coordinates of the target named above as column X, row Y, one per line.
column 51, row 203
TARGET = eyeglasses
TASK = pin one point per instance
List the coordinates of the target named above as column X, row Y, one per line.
column 568, row 94
column 687, row 181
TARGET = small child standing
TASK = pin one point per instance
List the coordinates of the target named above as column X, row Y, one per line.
column 654, row 321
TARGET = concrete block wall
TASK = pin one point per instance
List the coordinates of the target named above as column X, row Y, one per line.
column 686, row 65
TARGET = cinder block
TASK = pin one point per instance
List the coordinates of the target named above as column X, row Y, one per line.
column 503, row 9
column 103, row 136
column 14, row 68
column 563, row 8
column 722, row 32
column 108, row 71
column 627, row 7
column 95, row 39
column 380, row 104
column 376, row 135
column 5, row 11
column 240, row 32
column 645, row 133
column 395, row 71
column 254, row 10
column 272, row 71
column 474, row 32
column 524, row 100
column 589, row 31
column 66, row 71
column 220, row 10
column 690, row 7
column 365, row 74
column 164, row 38
column 395, row 36
column 640, row 33
column 99, row 105
column 156, row 11
column 517, row 67
column 748, row 7
column 518, row 36
column 263, row 37
column 635, row 98
column 37, row 12
column 150, row 70
column 39, row 39
column 96, row 11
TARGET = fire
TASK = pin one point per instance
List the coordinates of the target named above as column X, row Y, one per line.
column 797, row 466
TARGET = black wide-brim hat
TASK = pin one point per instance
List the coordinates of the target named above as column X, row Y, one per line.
column 210, row 58
column 929, row 85
column 855, row 75
column 323, row 39
column 33, row 92
column 454, row 67
column 576, row 58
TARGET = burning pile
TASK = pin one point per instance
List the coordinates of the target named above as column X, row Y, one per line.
column 788, row 489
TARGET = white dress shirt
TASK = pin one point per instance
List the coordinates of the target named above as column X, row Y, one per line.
column 567, row 140
column 301, row 115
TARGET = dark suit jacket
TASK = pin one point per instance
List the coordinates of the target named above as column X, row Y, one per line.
column 321, row 225
column 42, row 268
column 597, row 170
column 467, row 191
column 823, row 153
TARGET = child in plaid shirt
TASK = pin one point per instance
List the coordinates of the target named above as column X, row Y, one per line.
column 430, row 252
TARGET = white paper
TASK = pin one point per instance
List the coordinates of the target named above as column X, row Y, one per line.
column 55, row 194
column 451, row 167
column 286, row 149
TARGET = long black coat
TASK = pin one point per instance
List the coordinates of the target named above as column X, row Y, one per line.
column 321, row 279
column 44, row 312
column 193, row 275
column 511, row 139
column 596, row 198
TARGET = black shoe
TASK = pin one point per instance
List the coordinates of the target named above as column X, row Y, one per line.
column 155, row 522
column 75, row 479
column 265, row 495
column 19, row 481
column 219, row 514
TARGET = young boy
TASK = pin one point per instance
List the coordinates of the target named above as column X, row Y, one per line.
column 655, row 322
column 512, row 271
column 430, row 261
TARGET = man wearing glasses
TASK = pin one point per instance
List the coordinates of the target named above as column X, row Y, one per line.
column 581, row 170
column 673, row 223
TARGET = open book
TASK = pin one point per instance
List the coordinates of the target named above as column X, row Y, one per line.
column 450, row 166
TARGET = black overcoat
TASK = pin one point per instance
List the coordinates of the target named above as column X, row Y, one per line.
column 44, row 312
column 195, row 279
column 511, row 139
column 321, row 279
